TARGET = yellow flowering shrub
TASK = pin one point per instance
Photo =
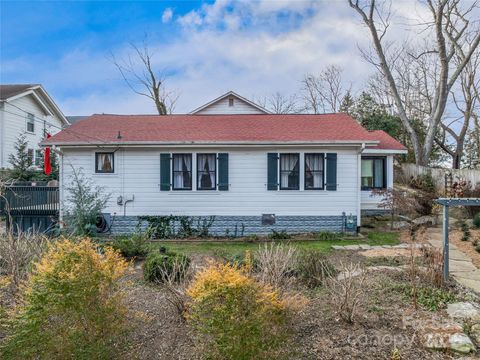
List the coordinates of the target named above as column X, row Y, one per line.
column 72, row 305
column 236, row 316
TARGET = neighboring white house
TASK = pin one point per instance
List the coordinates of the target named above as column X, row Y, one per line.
column 252, row 172
column 26, row 109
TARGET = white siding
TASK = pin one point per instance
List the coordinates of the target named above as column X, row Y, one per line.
column 15, row 124
column 369, row 202
column 137, row 173
column 222, row 107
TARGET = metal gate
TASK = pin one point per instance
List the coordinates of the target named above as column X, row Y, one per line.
column 31, row 208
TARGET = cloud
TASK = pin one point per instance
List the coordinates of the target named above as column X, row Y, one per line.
column 167, row 15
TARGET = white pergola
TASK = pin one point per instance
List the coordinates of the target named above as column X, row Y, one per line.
column 447, row 202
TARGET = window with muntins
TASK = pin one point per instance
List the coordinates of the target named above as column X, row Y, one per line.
column 289, row 171
column 104, row 162
column 38, row 157
column 182, row 172
column 373, row 173
column 206, row 171
column 30, row 123
column 314, row 171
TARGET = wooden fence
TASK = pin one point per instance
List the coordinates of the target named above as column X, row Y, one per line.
column 438, row 175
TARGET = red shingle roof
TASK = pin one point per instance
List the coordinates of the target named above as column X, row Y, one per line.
column 386, row 141
column 191, row 129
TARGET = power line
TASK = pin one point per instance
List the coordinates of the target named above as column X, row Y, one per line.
column 42, row 121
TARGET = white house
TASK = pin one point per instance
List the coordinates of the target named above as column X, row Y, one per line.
column 26, row 109
column 253, row 172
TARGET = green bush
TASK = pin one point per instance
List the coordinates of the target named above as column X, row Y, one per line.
column 279, row 235
column 72, row 306
column 476, row 221
column 237, row 317
column 314, row 267
column 165, row 267
column 135, row 246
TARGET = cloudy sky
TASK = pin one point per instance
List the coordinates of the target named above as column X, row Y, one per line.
column 255, row 47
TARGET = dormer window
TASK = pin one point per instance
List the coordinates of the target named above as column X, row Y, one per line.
column 230, row 101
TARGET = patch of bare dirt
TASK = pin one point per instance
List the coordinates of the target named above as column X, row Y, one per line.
column 158, row 331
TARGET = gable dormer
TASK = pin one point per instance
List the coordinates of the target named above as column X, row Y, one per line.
column 229, row 103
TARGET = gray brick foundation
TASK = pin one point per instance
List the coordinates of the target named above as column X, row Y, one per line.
column 248, row 225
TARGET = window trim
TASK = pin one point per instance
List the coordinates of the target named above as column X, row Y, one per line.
column 30, row 120
column 322, row 155
column 384, row 186
column 173, row 172
column 96, row 162
column 198, row 171
column 280, row 171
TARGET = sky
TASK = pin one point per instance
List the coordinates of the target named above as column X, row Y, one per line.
column 203, row 48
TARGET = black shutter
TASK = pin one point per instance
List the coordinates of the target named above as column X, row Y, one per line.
column 165, row 172
column 223, row 172
column 272, row 168
column 331, row 171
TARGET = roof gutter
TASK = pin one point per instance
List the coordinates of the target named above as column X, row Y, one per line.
column 211, row 143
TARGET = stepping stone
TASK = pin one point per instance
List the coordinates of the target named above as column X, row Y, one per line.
column 337, row 247
column 365, row 246
column 469, row 283
column 461, row 343
column 461, row 266
column 463, row 311
column 352, row 247
column 457, row 255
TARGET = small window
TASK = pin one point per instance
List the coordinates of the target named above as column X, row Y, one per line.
column 104, row 162
column 38, row 157
column 182, row 172
column 30, row 123
column 313, row 171
column 289, row 171
column 30, row 156
column 206, row 171
column 230, row 101
column 373, row 173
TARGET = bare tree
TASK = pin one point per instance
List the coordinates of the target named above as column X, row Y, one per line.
column 324, row 93
column 403, row 69
column 466, row 103
column 279, row 103
column 141, row 76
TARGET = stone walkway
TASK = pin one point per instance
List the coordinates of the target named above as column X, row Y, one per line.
column 461, row 266
column 376, row 247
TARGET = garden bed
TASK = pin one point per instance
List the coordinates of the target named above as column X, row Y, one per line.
column 382, row 324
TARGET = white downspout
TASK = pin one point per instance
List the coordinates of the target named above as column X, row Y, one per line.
column 359, row 187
